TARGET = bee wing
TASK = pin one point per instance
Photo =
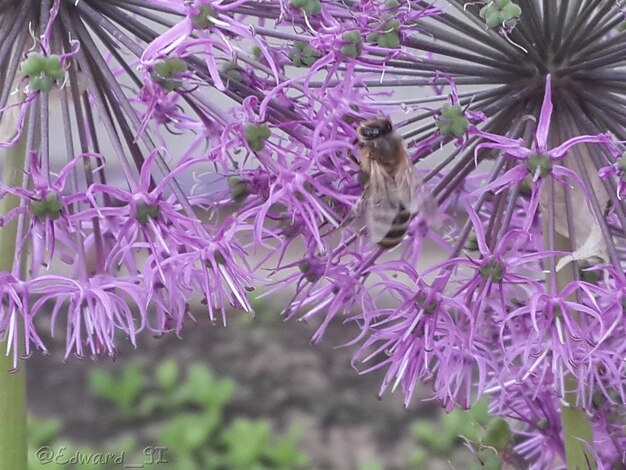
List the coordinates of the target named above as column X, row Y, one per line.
column 412, row 192
column 382, row 203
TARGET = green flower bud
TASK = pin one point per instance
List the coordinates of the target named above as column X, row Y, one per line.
column 256, row 135
column 303, row 55
column 500, row 13
column 43, row 71
column 34, row 64
column 452, row 121
column 238, row 188
column 353, row 49
column 204, row 18
column 167, row 73
column 388, row 35
column 232, row 71
column 305, row 269
column 389, row 40
column 310, row 7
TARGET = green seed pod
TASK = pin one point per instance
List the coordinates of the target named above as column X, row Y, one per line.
column 167, row 73
column 238, row 188
column 305, row 269
column 310, row 7
column 256, row 135
column 452, row 121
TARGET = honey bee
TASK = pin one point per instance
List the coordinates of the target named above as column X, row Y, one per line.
column 393, row 192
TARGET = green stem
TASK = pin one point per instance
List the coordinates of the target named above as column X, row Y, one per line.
column 577, row 429
column 13, row 450
column 577, row 432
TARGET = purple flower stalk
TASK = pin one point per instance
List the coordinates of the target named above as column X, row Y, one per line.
column 511, row 111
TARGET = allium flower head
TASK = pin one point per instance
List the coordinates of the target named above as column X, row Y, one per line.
column 512, row 113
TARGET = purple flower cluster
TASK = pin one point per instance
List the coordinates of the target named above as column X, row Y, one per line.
column 512, row 111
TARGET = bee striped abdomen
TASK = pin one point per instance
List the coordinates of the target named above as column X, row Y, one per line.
column 397, row 230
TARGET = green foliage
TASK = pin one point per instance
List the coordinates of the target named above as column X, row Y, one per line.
column 371, row 464
column 188, row 433
column 42, row 431
column 204, row 390
column 487, row 459
column 186, row 417
column 490, row 437
column 497, row 435
column 452, row 121
column 44, row 437
column 123, row 390
column 167, row 375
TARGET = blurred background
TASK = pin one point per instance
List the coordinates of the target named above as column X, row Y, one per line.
column 254, row 395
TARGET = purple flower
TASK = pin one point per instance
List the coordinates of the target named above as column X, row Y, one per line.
column 226, row 130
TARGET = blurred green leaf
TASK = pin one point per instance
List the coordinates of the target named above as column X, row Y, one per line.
column 189, row 432
column 122, row 391
column 245, row 441
column 151, row 404
column 168, row 375
column 203, row 389
column 497, row 435
column 102, row 383
column 284, row 454
column 371, row 464
column 42, row 431
column 480, row 412
column 201, row 440
column 186, row 462
column 486, row 460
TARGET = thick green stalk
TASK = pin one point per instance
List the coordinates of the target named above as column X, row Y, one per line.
column 13, row 449
column 577, row 430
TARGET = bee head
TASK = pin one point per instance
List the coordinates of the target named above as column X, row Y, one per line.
column 372, row 129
